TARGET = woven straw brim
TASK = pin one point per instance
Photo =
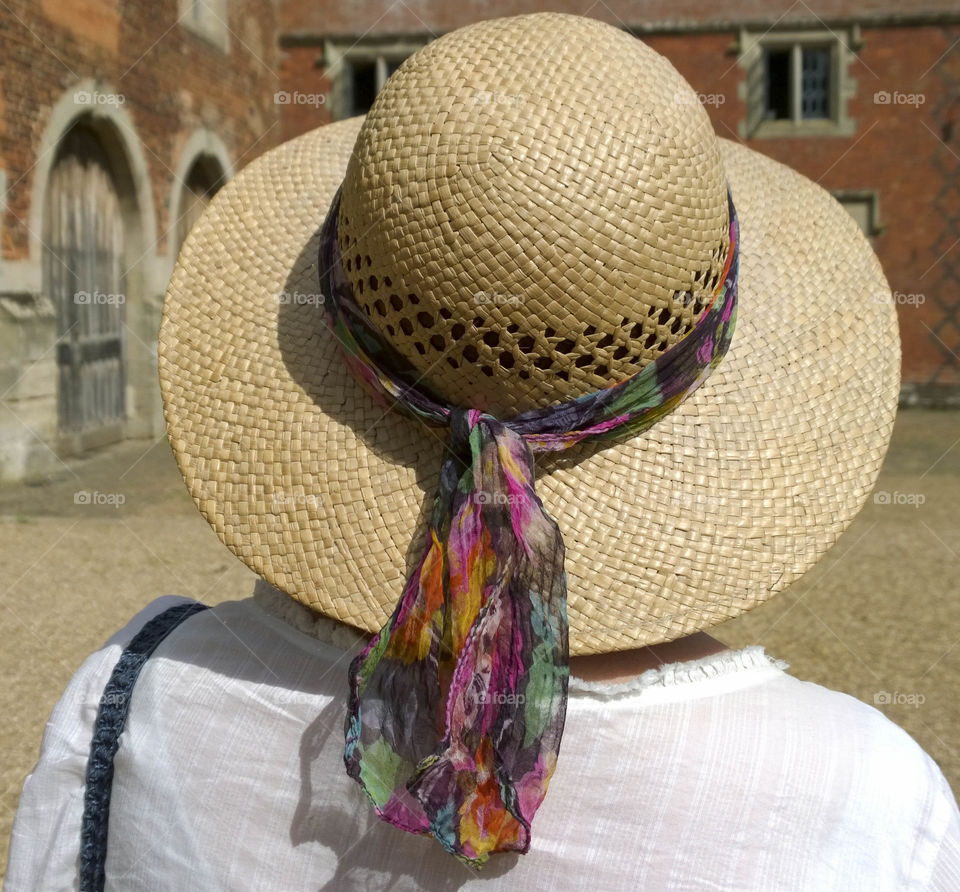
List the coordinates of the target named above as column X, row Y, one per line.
column 707, row 514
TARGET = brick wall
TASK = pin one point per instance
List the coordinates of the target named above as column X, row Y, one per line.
column 302, row 74
column 159, row 91
column 171, row 79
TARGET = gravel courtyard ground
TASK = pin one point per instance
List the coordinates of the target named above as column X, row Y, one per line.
column 877, row 618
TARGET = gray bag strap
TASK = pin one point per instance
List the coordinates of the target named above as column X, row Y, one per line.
column 111, row 717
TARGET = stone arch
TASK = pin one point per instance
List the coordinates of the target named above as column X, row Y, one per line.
column 114, row 127
column 203, row 167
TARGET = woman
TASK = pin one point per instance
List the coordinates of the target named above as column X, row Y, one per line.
column 508, row 391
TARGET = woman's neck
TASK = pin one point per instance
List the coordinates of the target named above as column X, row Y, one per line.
column 626, row 664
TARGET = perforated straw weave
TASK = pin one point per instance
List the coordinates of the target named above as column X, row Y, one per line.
column 526, row 228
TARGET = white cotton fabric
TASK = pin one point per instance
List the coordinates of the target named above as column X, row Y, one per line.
column 720, row 773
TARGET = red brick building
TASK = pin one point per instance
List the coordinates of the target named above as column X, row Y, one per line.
column 862, row 97
column 118, row 121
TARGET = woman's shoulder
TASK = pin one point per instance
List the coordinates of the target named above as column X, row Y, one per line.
column 881, row 778
column 122, row 637
column 851, row 745
column 844, row 716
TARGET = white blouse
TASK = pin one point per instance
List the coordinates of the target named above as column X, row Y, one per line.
column 718, row 773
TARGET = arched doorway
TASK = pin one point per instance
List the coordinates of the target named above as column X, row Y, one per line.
column 84, row 276
column 204, row 177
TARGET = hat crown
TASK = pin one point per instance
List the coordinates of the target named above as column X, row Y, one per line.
column 535, row 208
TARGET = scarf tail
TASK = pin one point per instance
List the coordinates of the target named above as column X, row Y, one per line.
column 486, row 608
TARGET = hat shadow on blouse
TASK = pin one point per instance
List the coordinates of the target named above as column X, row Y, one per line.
column 356, row 834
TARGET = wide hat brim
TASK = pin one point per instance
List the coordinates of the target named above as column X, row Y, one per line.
column 717, row 507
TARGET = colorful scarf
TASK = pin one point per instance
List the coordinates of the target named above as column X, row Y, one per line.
column 457, row 705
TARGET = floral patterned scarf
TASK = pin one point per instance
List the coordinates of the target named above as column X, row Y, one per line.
column 457, row 705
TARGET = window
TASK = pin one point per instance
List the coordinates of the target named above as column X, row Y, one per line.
column 863, row 206
column 358, row 73
column 364, row 85
column 796, row 82
column 365, row 78
column 208, row 19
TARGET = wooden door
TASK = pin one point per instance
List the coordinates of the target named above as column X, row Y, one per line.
column 84, row 277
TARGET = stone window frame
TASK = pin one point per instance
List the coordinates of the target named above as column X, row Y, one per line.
column 843, row 42
column 206, row 19
column 871, row 198
column 338, row 56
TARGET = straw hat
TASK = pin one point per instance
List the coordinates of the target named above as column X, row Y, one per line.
column 532, row 209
